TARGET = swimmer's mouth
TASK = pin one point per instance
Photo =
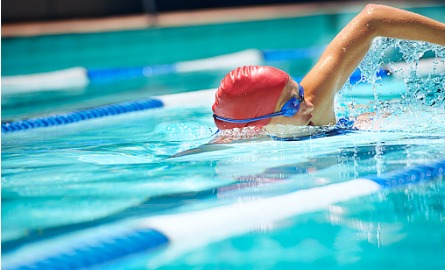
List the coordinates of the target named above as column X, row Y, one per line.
column 310, row 123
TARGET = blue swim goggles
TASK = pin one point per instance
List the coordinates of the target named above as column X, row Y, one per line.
column 290, row 108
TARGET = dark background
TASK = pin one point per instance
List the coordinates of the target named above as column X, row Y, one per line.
column 44, row 10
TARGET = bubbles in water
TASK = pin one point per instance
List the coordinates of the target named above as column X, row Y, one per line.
column 182, row 131
column 242, row 133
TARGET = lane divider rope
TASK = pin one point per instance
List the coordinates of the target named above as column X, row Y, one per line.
column 78, row 77
column 76, row 116
column 214, row 224
column 187, row 99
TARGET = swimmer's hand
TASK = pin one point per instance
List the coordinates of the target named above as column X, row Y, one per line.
column 222, row 139
column 370, row 121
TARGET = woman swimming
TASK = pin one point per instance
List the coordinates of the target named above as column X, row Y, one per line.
column 263, row 96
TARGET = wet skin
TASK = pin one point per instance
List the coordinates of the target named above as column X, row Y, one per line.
column 344, row 54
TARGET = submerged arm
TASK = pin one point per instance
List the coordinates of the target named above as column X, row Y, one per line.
column 350, row 46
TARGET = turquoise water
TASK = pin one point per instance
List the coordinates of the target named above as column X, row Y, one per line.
column 88, row 175
column 74, row 178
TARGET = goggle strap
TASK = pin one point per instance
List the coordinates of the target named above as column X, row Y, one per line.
column 248, row 120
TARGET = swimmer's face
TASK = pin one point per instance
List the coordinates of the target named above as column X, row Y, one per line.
column 302, row 117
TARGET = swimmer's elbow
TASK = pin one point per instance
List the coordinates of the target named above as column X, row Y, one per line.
column 375, row 10
column 378, row 18
column 371, row 16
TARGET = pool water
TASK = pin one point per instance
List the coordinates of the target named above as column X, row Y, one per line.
column 110, row 171
column 70, row 179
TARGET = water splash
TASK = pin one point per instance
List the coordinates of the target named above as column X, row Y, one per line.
column 425, row 84
column 429, row 89
column 373, row 60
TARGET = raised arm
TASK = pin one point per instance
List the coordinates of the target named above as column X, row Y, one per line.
column 348, row 48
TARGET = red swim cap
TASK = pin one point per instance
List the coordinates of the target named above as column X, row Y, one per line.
column 248, row 92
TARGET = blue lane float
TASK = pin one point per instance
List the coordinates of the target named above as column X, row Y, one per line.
column 115, row 74
column 78, row 77
column 206, row 226
column 76, row 116
column 102, row 251
column 246, row 57
column 291, row 54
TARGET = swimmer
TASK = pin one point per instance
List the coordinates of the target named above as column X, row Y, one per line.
column 263, row 97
